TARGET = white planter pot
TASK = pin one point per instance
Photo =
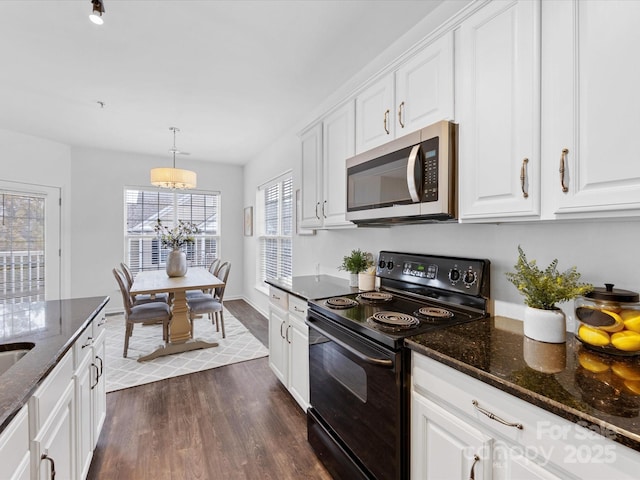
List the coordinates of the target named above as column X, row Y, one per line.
column 548, row 326
column 366, row 282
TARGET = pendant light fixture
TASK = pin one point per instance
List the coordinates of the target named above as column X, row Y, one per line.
column 96, row 13
column 166, row 177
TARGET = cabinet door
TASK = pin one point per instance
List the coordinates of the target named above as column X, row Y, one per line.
column 298, row 336
column 84, row 378
column 14, row 448
column 444, row 446
column 338, row 138
column 424, row 87
column 499, row 111
column 56, row 440
column 311, row 177
column 278, row 346
column 375, row 123
column 99, row 392
column 590, row 105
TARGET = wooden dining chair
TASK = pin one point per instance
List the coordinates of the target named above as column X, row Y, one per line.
column 144, row 313
column 211, row 304
column 213, row 267
column 142, row 298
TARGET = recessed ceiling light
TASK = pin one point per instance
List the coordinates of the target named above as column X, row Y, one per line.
column 96, row 14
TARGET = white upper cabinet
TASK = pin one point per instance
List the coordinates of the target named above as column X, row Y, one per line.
column 498, row 110
column 311, row 177
column 590, row 108
column 418, row 93
column 325, row 149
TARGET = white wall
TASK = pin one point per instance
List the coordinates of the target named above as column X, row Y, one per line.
column 97, row 211
column 603, row 251
column 36, row 161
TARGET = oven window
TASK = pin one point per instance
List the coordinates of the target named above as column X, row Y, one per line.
column 350, row 375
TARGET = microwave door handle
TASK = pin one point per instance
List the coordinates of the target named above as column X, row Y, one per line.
column 411, row 180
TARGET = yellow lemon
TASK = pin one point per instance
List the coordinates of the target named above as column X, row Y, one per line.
column 592, row 362
column 631, row 319
column 626, row 370
column 633, row 386
column 626, row 340
column 617, row 326
column 593, row 336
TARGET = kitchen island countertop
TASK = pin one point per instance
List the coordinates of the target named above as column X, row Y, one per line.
column 310, row 287
column 550, row 376
column 53, row 326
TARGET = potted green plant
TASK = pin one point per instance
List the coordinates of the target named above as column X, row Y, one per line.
column 356, row 262
column 175, row 238
column 543, row 290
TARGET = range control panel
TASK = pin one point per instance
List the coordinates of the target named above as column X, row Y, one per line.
column 464, row 275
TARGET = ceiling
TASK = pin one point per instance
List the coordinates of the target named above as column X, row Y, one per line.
column 232, row 75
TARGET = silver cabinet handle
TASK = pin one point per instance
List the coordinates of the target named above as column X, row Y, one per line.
column 281, row 325
column 101, row 365
column 494, row 417
column 297, row 309
column 317, row 206
column 324, row 204
column 411, row 181
column 386, row 121
column 89, row 342
column 52, row 464
column 523, row 177
column 472, row 473
column 275, row 297
column 563, row 157
column 400, row 112
column 97, row 376
column 287, row 336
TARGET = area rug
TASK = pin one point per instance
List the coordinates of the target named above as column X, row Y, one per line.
column 238, row 346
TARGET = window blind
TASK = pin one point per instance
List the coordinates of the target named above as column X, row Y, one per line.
column 275, row 201
column 143, row 208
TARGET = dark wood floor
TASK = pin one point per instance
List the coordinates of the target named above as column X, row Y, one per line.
column 232, row 422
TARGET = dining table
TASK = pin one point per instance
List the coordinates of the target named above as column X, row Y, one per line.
column 180, row 337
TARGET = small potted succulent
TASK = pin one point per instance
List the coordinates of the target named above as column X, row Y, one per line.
column 543, row 290
column 355, row 263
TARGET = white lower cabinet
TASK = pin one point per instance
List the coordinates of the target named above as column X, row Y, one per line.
column 15, row 456
column 289, row 344
column 462, row 428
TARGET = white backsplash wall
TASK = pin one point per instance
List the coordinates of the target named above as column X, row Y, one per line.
column 603, row 251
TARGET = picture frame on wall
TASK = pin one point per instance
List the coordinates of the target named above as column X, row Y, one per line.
column 248, row 221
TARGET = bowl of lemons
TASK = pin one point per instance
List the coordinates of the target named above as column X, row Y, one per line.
column 608, row 321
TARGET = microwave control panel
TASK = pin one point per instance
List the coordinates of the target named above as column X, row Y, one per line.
column 431, row 170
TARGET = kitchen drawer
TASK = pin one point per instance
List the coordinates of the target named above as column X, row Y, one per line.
column 279, row 298
column 46, row 397
column 585, row 450
column 82, row 347
column 297, row 307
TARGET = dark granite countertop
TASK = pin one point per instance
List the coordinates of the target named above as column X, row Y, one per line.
column 310, row 287
column 52, row 326
column 598, row 391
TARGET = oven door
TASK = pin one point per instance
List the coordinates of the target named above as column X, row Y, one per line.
column 356, row 390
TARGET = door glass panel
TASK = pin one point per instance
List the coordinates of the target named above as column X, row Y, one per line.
column 349, row 374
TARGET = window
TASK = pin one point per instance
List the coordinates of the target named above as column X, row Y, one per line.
column 274, row 225
column 144, row 207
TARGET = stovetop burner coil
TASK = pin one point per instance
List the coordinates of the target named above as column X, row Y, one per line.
column 393, row 320
column 340, row 303
column 375, row 297
column 434, row 312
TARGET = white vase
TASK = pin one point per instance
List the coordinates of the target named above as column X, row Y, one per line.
column 366, row 282
column 548, row 326
column 176, row 263
column 353, row 279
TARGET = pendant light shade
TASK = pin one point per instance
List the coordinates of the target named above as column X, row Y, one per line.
column 166, row 177
column 172, row 177
column 97, row 11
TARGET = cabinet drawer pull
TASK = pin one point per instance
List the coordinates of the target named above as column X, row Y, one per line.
column 97, row 376
column 297, row 309
column 53, row 464
column 494, row 417
column 101, row 365
column 400, row 112
column 563, row 157
column 324, row 204
column 472, row 473
column 89, row 342
column 274, row 296
column 287, row 337
column 523, row 177
column 317, row 206
column 281, row 325
column 386, row 121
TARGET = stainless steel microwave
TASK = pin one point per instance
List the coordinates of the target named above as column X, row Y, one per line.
column 410, row 179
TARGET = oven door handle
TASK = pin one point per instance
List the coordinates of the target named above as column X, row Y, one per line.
column 380, row 362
